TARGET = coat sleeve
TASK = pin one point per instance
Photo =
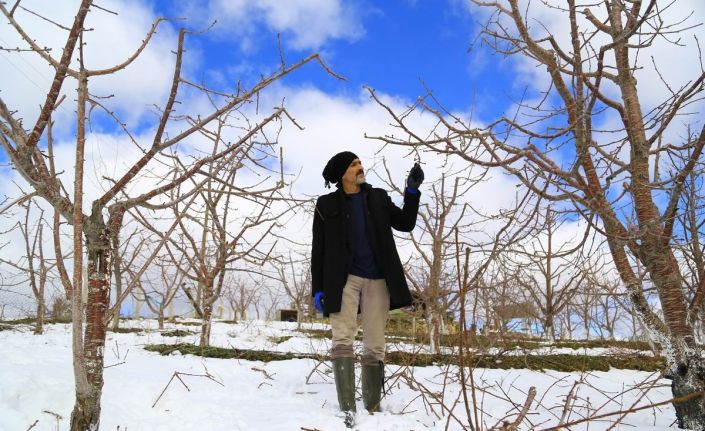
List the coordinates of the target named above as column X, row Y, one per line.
column 404, row 219
column 317, row 252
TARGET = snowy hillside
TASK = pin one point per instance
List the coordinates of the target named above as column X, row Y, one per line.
column 36, row 377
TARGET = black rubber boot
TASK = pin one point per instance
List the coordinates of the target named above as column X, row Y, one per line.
column 344, row 374
column 372, row 382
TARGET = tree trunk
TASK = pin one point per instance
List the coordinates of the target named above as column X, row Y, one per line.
column 299, row 315
column 434, row 331
column 636, row 324
column 117, row 263
column 431, row 338
column 137, row 312
column 548, row 327
column 160, row 318
column 688, row 379
column 206, row 325
column 568, row 324
column 170, row 310
column 41, row 313
column 116, row 314
column 86, row 412
column 41, row 301
column 205, row 290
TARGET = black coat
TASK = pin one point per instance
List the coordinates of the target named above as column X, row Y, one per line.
column 331, row 252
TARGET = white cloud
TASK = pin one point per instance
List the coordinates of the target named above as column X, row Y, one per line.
column 111, row 41
column 678, row 64
column 550, row 18
column 336, row 123
column 332, row 123
column 304, row 24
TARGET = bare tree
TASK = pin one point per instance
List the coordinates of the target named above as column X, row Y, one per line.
column 443, row 214
column 31, row 154
column 37, row 275
column 691, row 247
column 240, row 296
column 550, row 273
column 591, row 76
column 33, row 267
column 295, row 277
column 609, row 308
column 268, row 297
column 606, row 295
column 584, row 305
column 123, row 261
column 214, row 238
column 159, row 295
column 503, row 299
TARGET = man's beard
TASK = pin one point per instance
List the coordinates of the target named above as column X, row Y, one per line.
column 360, row 179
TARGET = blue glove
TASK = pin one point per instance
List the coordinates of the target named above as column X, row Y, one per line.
column 415, row 178
column 318, row 301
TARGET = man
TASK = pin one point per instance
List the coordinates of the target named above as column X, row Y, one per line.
column 355, row 266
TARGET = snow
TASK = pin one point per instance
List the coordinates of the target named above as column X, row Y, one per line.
column 36, row 377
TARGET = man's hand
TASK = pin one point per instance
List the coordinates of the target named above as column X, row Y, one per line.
column 415, row 177
column 318, row 301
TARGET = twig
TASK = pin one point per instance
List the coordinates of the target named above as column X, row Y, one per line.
column 104, row 9
column 113, row 365
column 267, row 375
column 18, row 201
column 568, row 406
column 314, row 370
column 63, row 27
column 57, row 416
column 178, row 376
column 619, row 412
column 12, row 12
column 522, row 414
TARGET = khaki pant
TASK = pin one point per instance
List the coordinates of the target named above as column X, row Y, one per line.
column 373, row 299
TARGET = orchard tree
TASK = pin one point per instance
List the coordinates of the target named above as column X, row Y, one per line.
column 442, row 215
column 240, row 296
column 549, row 272
column 593, row 140
column 30, row 151
column 159, row 288
column 225, row 229
column 293, row 273
column 34, row 267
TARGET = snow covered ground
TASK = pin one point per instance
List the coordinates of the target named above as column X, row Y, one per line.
column 36, row 383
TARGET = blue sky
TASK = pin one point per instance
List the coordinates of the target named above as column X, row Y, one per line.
column 396, row 45
column 391, row 46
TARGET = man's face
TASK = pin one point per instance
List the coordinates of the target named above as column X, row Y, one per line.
column 355, row 173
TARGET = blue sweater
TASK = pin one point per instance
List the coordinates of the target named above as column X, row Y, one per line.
column 363, row 257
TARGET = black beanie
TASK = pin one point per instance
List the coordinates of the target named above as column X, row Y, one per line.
column 336, row 167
